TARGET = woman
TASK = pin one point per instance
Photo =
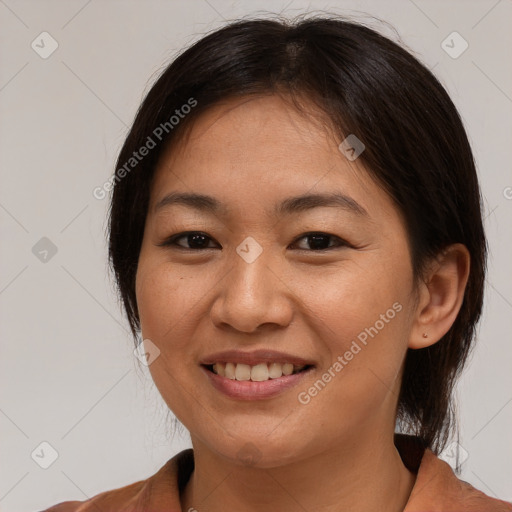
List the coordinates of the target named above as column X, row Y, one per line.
column 296, row 234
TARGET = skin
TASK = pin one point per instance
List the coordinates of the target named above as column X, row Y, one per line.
column 335, row 452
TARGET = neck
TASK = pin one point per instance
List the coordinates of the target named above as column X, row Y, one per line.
column 356, row 476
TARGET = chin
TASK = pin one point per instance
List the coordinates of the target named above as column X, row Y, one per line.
column 258, row 451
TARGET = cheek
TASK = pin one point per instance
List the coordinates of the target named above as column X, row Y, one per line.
column 154, row 290
column 167, row 303
column 358, row 296
column 166, row 298
column 366, row 317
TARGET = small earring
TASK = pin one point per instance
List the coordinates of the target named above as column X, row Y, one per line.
column 425, row 335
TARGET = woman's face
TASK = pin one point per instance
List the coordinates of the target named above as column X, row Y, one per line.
column 253, row 288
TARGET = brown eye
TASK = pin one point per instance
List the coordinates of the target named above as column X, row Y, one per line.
column 192, row 240
column 320, row 242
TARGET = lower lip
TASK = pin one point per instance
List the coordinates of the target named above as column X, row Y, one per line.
column 249, row 390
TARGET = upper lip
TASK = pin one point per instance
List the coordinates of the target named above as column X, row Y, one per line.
column 254, row 357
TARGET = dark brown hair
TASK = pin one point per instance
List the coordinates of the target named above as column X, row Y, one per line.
column 367, row 85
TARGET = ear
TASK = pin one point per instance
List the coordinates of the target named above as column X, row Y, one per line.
column 441, row 292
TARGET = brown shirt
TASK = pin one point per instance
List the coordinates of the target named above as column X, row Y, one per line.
column 436, row 489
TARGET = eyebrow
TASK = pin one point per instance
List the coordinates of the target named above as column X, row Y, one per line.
column 290, row 205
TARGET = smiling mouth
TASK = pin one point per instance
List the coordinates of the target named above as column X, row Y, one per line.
column 256, row 373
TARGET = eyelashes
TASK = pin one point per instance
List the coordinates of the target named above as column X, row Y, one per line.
column 199, row 241
column 317, row 240
column 198, row 238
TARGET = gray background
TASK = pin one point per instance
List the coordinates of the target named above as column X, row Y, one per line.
column 67, row 372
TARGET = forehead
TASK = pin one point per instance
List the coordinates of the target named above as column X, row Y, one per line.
column 256, row 128
column 261, row 149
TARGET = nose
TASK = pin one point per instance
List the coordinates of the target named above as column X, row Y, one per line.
column 253, row 297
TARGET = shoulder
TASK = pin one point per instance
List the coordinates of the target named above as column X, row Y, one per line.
column 437, row 488
column 124, row 498
column 158, row 492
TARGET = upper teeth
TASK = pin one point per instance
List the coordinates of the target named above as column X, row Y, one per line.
column 259, row 372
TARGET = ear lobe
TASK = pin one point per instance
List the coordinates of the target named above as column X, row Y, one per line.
column 440, row 296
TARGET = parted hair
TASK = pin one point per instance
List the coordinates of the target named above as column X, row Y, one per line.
column 365, row 84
